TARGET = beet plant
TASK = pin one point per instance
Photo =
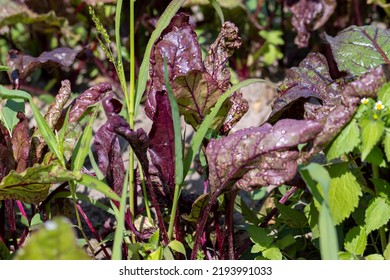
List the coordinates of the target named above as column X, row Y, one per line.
column 318, row 165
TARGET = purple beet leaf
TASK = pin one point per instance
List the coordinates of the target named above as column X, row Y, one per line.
column 366, row 85
column 196, row 85
column 22, row 64
column 21, row 143
column 7, row 162
column 309, row 15
column 304, row 88
column 161, row 135
column 357, row 49
column 255, row 157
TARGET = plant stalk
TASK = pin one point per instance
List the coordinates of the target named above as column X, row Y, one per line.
column 176, row 196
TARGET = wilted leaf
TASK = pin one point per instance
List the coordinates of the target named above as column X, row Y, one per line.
column 349, row 45
column 21, row 143
column 161, row 135
column 32, row 185
column 255, row 157
column 22, row 64
column 54, row 111
column 308, row 16
column 87, row 98
column 55, row 240
column 197, row 208
column 377, row 214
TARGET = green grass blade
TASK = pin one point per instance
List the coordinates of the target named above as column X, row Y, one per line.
column 163, row 22
column 47, row 133
column 83, row 144
column 120, row 228
column 202, row 130
column 96, row 184
column 328, row 235
column 218, row 9
column 6, row 93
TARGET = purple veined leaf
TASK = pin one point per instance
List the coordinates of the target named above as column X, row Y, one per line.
column 196, row 85
column 357, row 49
column 22, row 64
column 255, row 157
column 309, row 83
column 109, row 157
column 366, row 85
column 87, row 98
column 309, row 15
column 161, row 135
column 21, row 143
column 138, row 139
column 179, row 44
column 7, row 162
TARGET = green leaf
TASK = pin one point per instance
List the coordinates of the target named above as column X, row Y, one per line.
column 4, row 252
column 9, row 113
column 386, row 253
column 168, row 254
column 32, row 185
column 375, row 257
column 154, row 240
column 218, row 10
column 13, row 94
column 371, row 133
column 96, row 184
column 328, row 235
column 376, row 157
column 285, row 241
column 315, row 172
column 356, row 240
column 349, row 45
column 162, row 23
column 291, row 217
column 197, row 207
column 345, row 142
column 260, row 236
column 177, row 246
column 344, row 192
column 248, row 214
column 386, row 144
column 346, row 256
column 156, row 255
column 56, row 240
column 384, row 94
column 272, row 253
column 377, row 214
column 36, row 220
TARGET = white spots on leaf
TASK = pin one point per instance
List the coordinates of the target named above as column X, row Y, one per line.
column 50, row 225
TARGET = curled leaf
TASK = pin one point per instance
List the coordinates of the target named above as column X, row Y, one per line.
column 309, row 15
column 255, row 157
column 7, row 162
column 22, row 64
